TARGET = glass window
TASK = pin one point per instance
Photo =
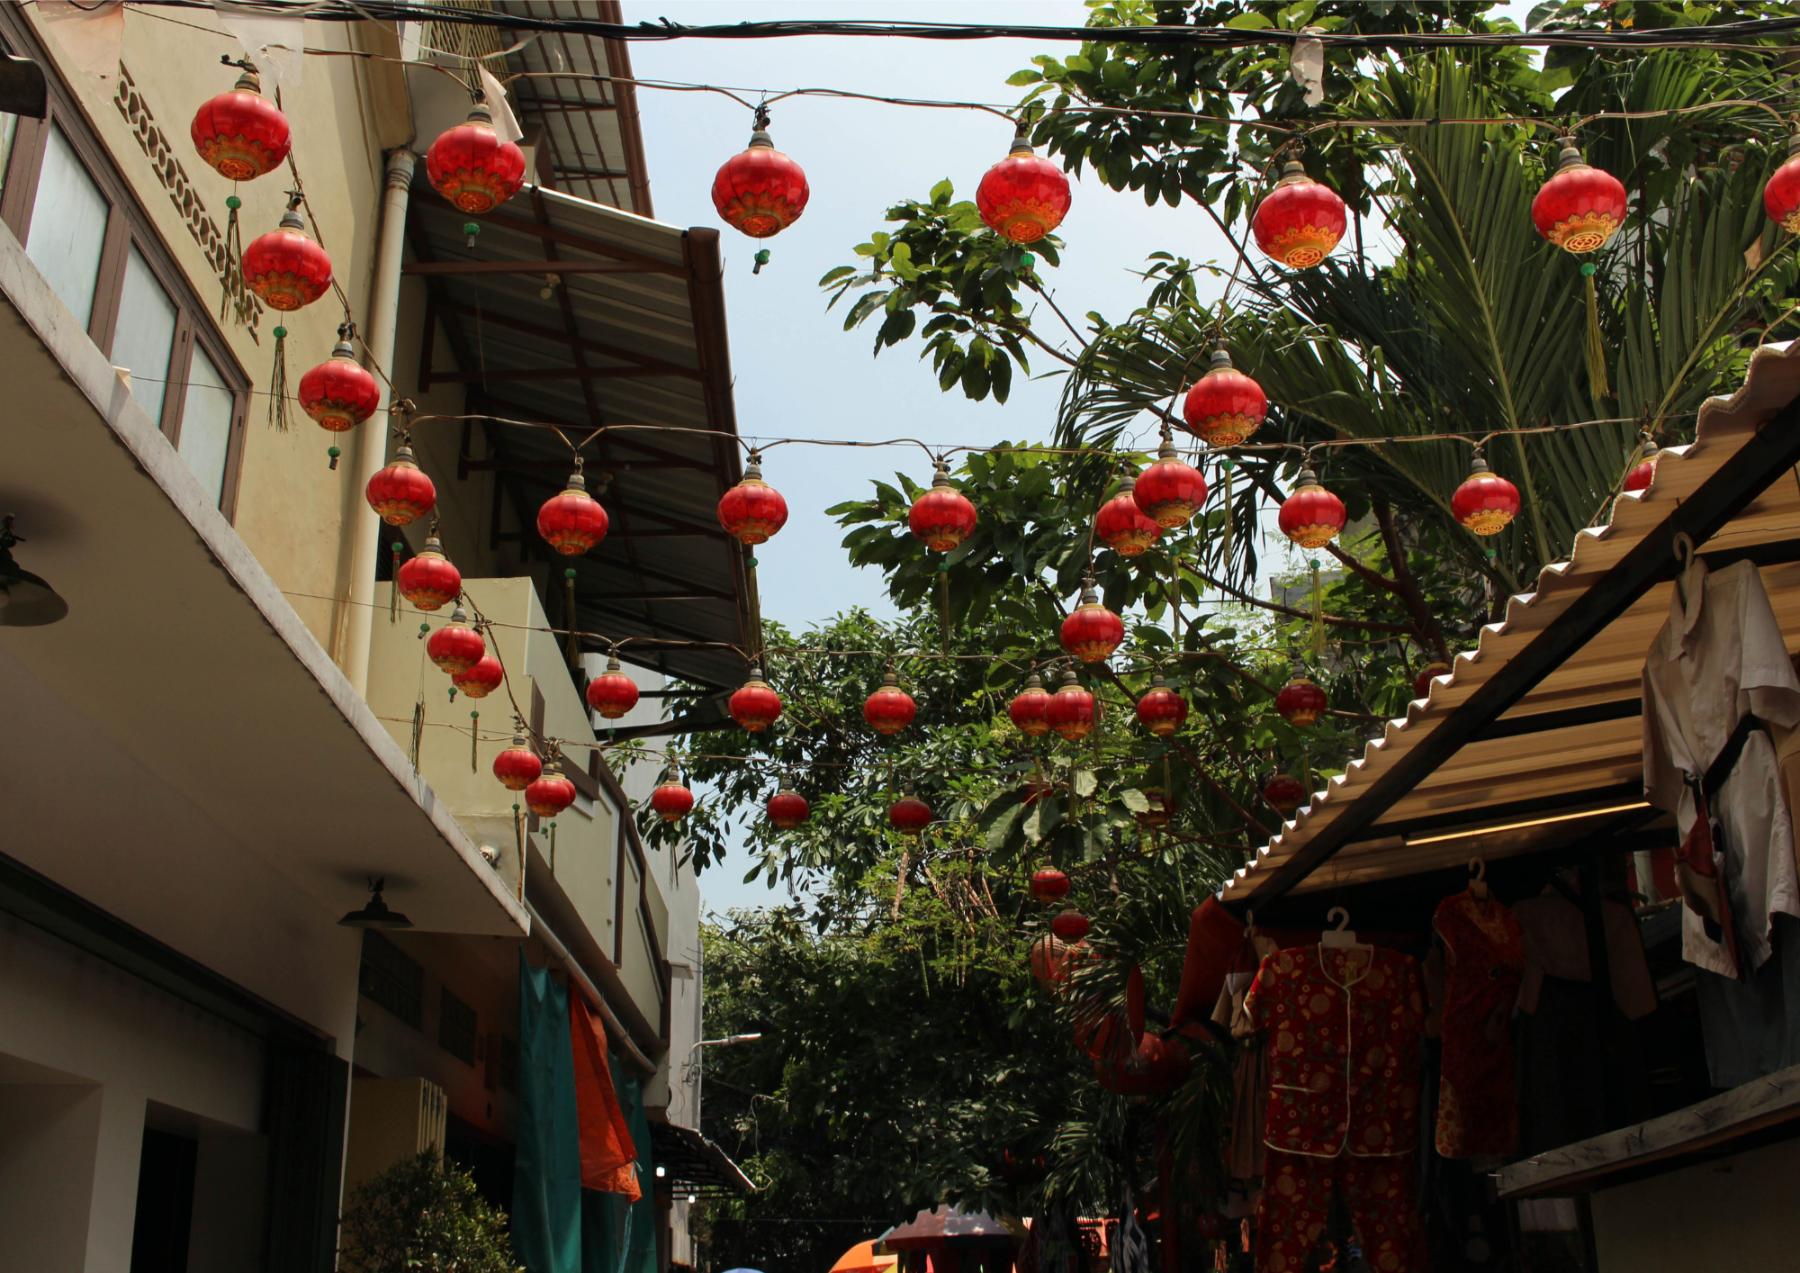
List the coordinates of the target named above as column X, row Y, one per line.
column 206, row 411
column 145, row 334
column 68, row 227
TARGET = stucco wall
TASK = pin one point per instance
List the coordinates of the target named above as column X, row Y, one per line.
column 1736, row 1213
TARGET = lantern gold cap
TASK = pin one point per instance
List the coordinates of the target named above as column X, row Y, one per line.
column 249, row 81
column 1571, row 153
column 1068, row 676
column 1221, row 360
column 1479, row 464
column 1306, row 478
column 612, row 663
column 759, row 140
column 1034, row 682
column 940, row 475
column 576, row 482
column 1167, row 450
column 1291, row 172
column 890, row 677
column 458, row 614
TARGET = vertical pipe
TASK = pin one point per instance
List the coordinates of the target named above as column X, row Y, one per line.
column 371, row 443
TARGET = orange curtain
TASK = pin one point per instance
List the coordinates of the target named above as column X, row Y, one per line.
column 608, row 1157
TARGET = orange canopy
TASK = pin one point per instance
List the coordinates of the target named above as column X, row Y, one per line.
column 861, row 1258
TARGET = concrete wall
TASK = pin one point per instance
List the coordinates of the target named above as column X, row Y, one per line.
column 1736, row 1213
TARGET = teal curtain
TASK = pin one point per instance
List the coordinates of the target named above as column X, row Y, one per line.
column 620, row 1237
column 547, row 1206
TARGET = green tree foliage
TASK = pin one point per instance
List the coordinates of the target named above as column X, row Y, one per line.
column 423, row 1215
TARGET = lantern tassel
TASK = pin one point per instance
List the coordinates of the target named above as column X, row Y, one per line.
column 519, row 840
column 234, row 252
column 418, row 728
column 278, row 382
column 944, row 602
column 1318, row 612
column 1225, row 536
column 573, row 643
column 394, row 582
column 553, row 848
column 474, row 740
column 1596, row 340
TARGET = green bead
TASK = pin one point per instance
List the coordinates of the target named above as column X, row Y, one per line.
column 943, row 567
column 1314, row 563
column 1226, row 464
column 568, row 572
column 1588, row 268
column 281, row 333
column 233, row 202
column 1026, row 260
column 475, row 715
column 471, row 227
column 334, row 452
column 424, row 628
column 395, row 548
column 750, row 561
column 762, row 256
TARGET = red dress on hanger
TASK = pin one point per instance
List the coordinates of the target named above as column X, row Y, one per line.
column 1484, row 959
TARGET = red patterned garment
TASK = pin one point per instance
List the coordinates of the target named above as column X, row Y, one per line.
column 1295, row 1210
column 1342, row 1026
column 1484, row 960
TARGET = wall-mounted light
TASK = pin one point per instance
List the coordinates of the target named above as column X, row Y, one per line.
column 376, row 913
column 26, row 601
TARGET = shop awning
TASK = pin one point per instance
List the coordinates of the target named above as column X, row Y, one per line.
column 692, row 1164
column 1534, row 739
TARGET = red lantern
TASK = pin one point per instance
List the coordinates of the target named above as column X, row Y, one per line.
column 572, row 521
column 1225, row 406
column 760, row 191
column 1070, row 925
column 1300, row 701
column 1429, row 673
column 754, row 706
column 1023, row 197
column 241, row 134
column 1091, row 632
column 1121, row 525
column 909, row 815
column 941, row 516
column 1580, row 207
column 1311, row 516
column 752, row 511
column 455, row 647
column 401, row 493
column 671, row 800
column 549, row 795
column 1644, row 471
column 1050, row 960
column 284, row 267
column 889, row 709
column 1161, row 809
column 472, row 167
column 1028, row 707
column 1161, row 710
column 1072, row 710
column 788, row 809
column 1285, row 794
column 1485, row 502
column 481, row 680
column 1048, row 885
column 517, row 767
column 1169, row 491
column 428, row 580
column 1299, row 221
column 612, row 693
column 1781, row 197
column 339, row 393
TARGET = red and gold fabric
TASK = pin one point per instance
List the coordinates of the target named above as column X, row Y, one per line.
column 1295, row 1209
column 1484, row 961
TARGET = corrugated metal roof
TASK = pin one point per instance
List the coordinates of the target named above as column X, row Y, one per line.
column 631, row 331
column 1566, row 757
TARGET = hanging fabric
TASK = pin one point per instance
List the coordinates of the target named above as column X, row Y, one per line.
column 546, row 1201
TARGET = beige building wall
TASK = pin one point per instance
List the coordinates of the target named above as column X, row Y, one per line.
column 1725, row 1214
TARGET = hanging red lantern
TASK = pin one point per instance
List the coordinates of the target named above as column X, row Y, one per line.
column 1169, row 491
column 1300, row 701
column 1311, row 516
column 572, row 521
column 1781, row 196
column 241, row 134
column 752, row 511
column 612, row 693
column 754, row 705
column 1225, row 406
column 1070, row 925
column 1427, row 674
column 1050, row 960
column 943, row 516
column 671, row 800
column 1028, row 707
column 889, row 709
column 1023, row 197
column 788, row 809
column 1161, row 710
column 517, row 766
column 401, row 493
column 284, row 267
column 909, row 815
column 1161, row 809
column 339, row 393
column 759, row 190
column 1580, row 207
column 1121, row 525
column 428, row 580
column 1072, row 711
column 1091, row 632
column 472, row 167
column 549, row 795
column 1641, row 473
column 1300, row 220
column 1284, row 794
column 1485, row 502
column 455, row 647
column 1049, row 885
column 481, row 680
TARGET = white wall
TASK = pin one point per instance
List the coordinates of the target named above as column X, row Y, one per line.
column 1735, row 1213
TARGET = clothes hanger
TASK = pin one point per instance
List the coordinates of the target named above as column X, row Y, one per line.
column 1339, row 934
column 1478, row 878
column 1684, row 562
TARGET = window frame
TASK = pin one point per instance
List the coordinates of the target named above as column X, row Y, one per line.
column 128, row 225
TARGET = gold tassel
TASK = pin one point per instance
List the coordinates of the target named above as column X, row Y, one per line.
column 519, row 841
column 1225, row 496
column 234, row 252
column 278, row 384
column 418, row 728
column 553, row 847
column 1596, row 340
column 1318, row 612
column 573, row 643
column 474, row 740
column 944, row 602
column 394, row 582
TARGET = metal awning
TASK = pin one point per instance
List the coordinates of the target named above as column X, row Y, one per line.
column 1533, row 741
column 692, row 1164
column 573, row 313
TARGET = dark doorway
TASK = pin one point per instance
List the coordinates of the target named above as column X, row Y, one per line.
column 165, row 1202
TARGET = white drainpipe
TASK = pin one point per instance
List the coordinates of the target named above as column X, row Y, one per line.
column 372, row 438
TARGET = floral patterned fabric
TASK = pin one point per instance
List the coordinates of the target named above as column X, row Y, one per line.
column 1342, row 1028
column 1484, row 959
column 1295, row 1210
